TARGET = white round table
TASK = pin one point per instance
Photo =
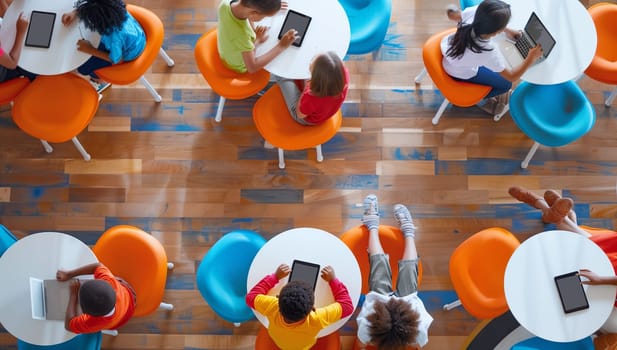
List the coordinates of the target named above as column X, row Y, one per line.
column 62, row 55
column 40, row 256
column 329, row 31
column 532, row 295
column 575, row 34
column 311, row 245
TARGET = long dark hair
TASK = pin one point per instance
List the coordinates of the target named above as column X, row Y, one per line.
column 101, row 16
column 491, row 17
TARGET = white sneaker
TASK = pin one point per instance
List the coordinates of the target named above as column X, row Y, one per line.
column 370, row 219
column 403, row 217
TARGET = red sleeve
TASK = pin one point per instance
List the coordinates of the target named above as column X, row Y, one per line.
column 262, row 287
column 341, row 296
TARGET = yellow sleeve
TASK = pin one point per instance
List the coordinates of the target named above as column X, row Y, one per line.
column 328, row 315
column 267, row 305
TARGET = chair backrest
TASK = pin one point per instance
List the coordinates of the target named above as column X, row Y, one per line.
column 459, row 93
column 138, row 258
column 569, row 116
column 392, row 241
column 477, row 270
column 222, row 80
column 6, row 239
column 537, row 343
column 128, row 72
column 274, row 123
column 223, row 272
column 603, row 15
column 369, row 21
column 86, row 341
column 469, row 3
column 11, row 88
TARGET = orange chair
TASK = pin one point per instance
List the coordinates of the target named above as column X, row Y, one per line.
column 274, row 123
column 477, row 269
column 129, row 72
column 11, row 88
column 56, row 108
column 227, row 83
column 603, row 66
column 458, row 93
column 392, row 241
column 138, row 258
column 331, row 341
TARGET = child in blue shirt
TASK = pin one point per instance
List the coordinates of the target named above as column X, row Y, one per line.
column 122, row 38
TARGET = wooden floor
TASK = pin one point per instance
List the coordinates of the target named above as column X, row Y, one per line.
column 171, row 170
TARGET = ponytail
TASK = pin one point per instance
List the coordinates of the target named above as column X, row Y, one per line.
column 463, row 38
column 491, row 17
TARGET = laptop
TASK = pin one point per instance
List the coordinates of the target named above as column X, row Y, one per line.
column 49, row 299
column 534, row 33
column 40, row 29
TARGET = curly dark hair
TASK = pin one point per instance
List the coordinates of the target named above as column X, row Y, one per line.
column 101, row 16
column 97, row 297
column 393, row 325
column 296, row 301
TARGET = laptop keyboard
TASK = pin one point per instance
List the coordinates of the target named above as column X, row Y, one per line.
column 523, row 45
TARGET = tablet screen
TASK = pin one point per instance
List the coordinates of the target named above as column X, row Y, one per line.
column 571, row 292
column 299, row 22
column 304, row 271
column 40, row 29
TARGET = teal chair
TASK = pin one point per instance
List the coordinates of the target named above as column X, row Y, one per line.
column 222, row 274
column 368, row 21
column 6, row 239
column 87, row 341
column 469, row 3
column 536, row 343
column 551, row 115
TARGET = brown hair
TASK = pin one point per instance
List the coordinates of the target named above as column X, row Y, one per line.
column 327, row 75
column 393, row 325
column 263, row 6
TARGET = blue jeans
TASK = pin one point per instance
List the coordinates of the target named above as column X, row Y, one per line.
column 93, row 63
column 486, row 76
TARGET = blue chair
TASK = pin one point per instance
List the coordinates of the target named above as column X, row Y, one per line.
column 6, row 239
column 87, row 341
column 536, row 343
column 567, row 117
column 368, row 21
column 222, row 274
column 469, row 3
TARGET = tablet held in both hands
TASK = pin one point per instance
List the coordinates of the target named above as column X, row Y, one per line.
column 297, row 21
column 571, row 292
column 305, row 271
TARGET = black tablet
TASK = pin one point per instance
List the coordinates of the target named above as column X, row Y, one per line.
column 571, row 292
column 304, row 271
column 40, row 29
column 298, row 21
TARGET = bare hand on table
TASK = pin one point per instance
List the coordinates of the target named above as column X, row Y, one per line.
column 22, row 23
column 288, row 38
column 62, row 275
column 327, row 273
column 85, row 46
column 261, row 34
column 535, row 53
column 282, row 271
column 69, row 17
column 592, row 277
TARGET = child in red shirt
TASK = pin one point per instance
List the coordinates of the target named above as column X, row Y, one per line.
column 106, row 302
column 317, row 99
